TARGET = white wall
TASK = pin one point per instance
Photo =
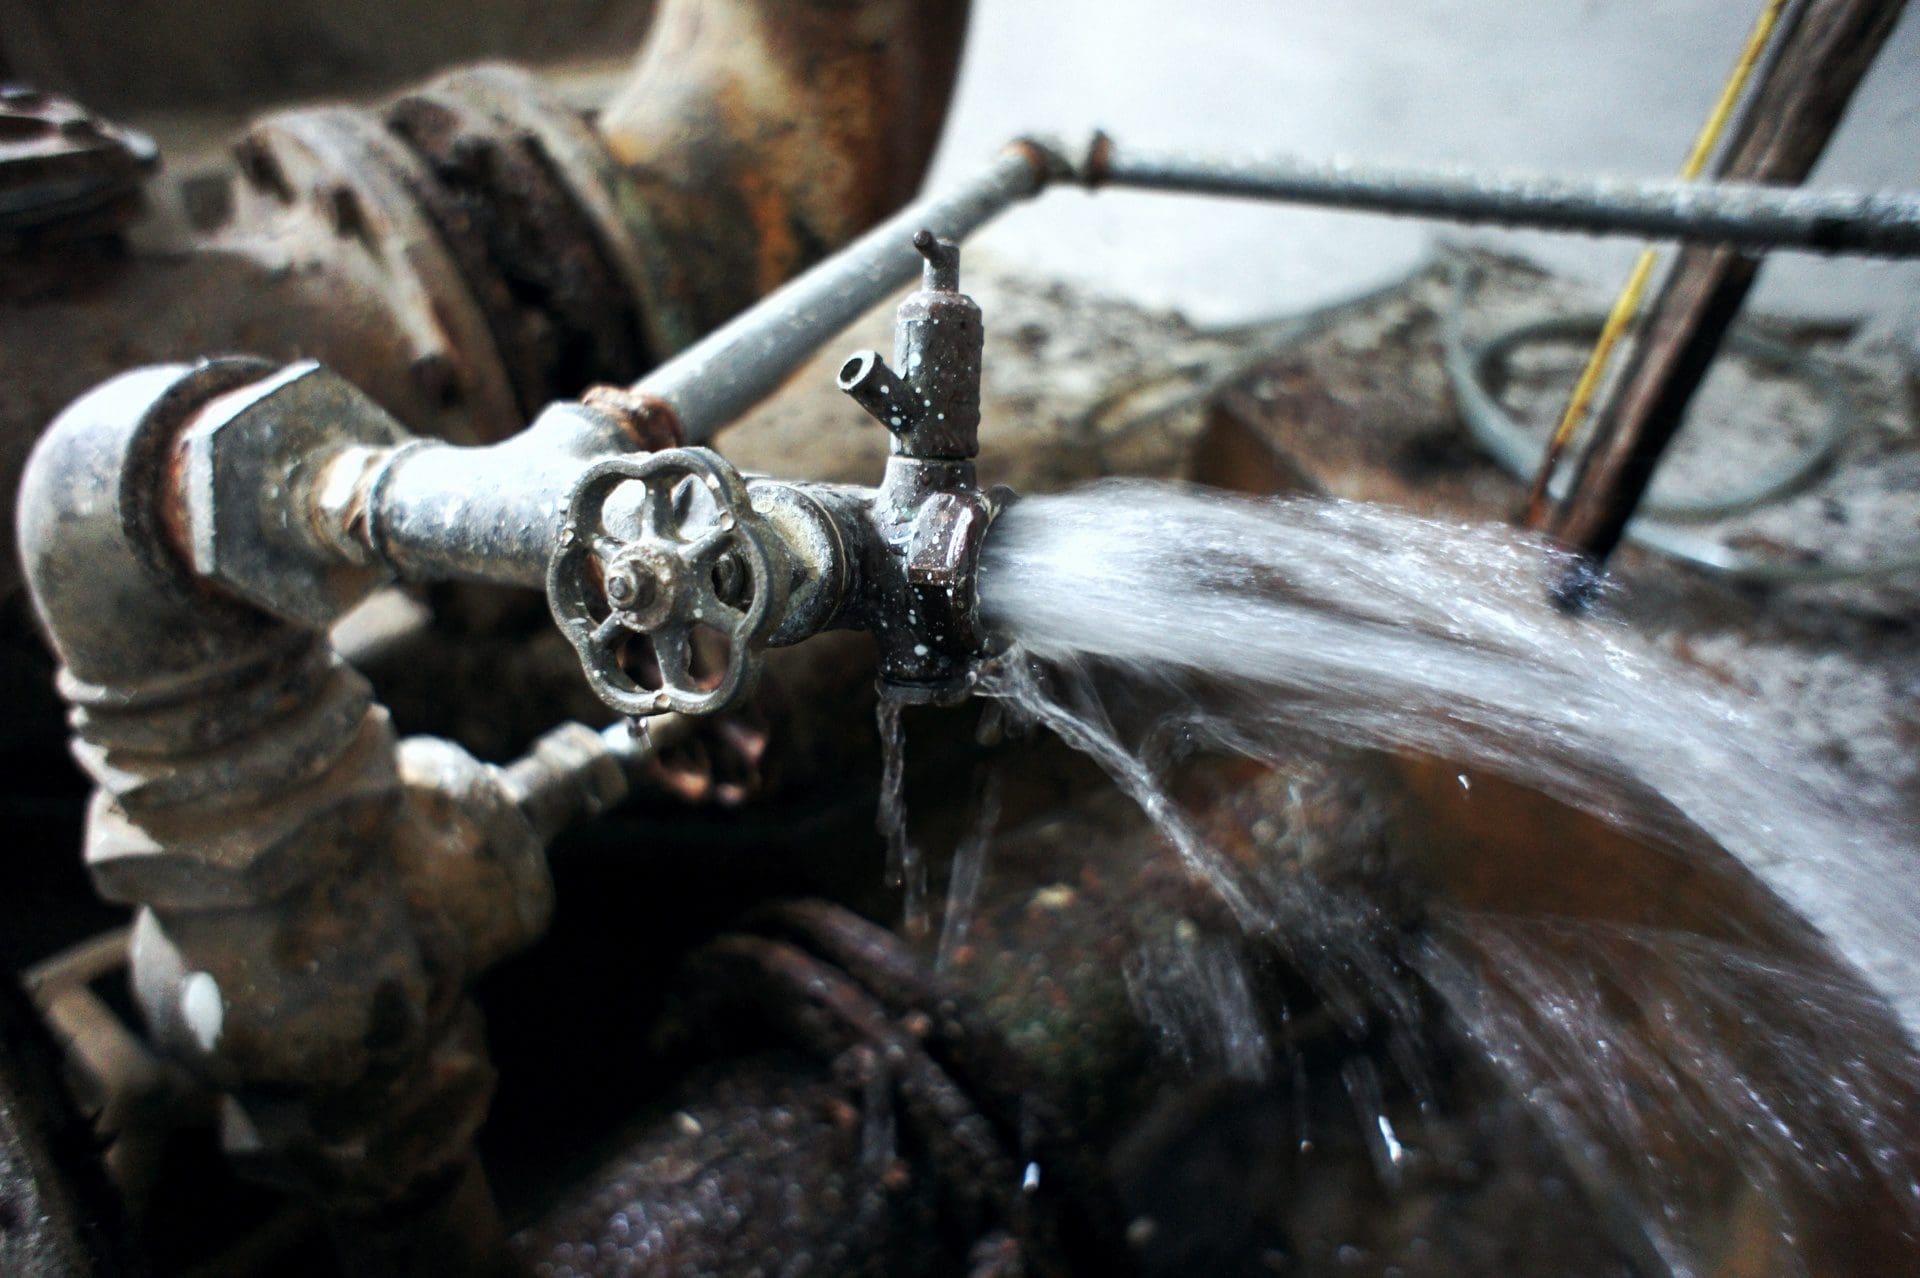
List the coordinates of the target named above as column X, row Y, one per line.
column 1576, row 86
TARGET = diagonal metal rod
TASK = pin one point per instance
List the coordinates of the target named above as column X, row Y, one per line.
column 733, row 368
column 1872, row 223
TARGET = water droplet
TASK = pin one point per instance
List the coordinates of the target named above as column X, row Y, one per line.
column 203, row 1009
column 1396, row 1152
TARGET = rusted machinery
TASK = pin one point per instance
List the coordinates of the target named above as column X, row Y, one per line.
column 316, row 896
column 307, row 913
column 475, row 247
column 464, row 253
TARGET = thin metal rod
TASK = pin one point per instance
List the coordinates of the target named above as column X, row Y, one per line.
column 436, row 512
column 737, row 365
column 713, row 382
column 1876, row 224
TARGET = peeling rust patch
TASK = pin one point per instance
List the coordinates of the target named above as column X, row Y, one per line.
column 648, row 419
column 1099, row 163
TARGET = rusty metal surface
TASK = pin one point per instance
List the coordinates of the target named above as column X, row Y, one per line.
column 236, row 54
column 938, row 338
column 473, row 250
column 929, row 512
column 1073, row 1014
column 259, row 435
column 312, row 961
column 1238, row 1142
column 888, row 1114
column 542, row 269
column 748, row 987
column 65, row 173
column 649, row 420
column 760, row 136
column 336, row 193
column 632, row 573
column 709, row 1188
column 58, row 1216
column 312, row 895
column 112, row 312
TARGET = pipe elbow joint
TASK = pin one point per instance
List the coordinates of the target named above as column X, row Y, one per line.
column 101, row 544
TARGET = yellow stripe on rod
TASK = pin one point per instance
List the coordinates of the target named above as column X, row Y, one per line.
column 1627, row 305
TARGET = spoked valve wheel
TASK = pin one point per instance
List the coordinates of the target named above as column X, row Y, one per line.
column 664, row 582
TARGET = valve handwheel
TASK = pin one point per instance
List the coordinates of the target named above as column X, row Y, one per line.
column 671, row 568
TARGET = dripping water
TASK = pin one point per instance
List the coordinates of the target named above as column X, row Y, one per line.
column 963, row 878
column 905, row 872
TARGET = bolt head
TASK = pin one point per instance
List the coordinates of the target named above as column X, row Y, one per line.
column 246, row 478
column 631, row 586
column 640, row 587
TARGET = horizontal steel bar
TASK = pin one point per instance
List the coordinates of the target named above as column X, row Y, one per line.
column 1879, row 224
column 719, row 378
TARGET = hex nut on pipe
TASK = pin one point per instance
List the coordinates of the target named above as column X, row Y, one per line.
column 249, row 461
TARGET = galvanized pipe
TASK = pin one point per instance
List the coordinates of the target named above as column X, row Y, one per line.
column 1873, row 223
column 433, row 511
column 473, row 248
column 427, row 510
column 718, row 379
column 430, row 511
column 736, row 366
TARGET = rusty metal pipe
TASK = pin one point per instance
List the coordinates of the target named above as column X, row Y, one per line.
column 1796, row 110
column 312, row 894
column 427, row 510
column 473, row 249
column 758, row 136
column 737, row 366
column 858, row 1111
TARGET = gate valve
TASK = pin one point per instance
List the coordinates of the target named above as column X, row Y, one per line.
column 657, row 550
